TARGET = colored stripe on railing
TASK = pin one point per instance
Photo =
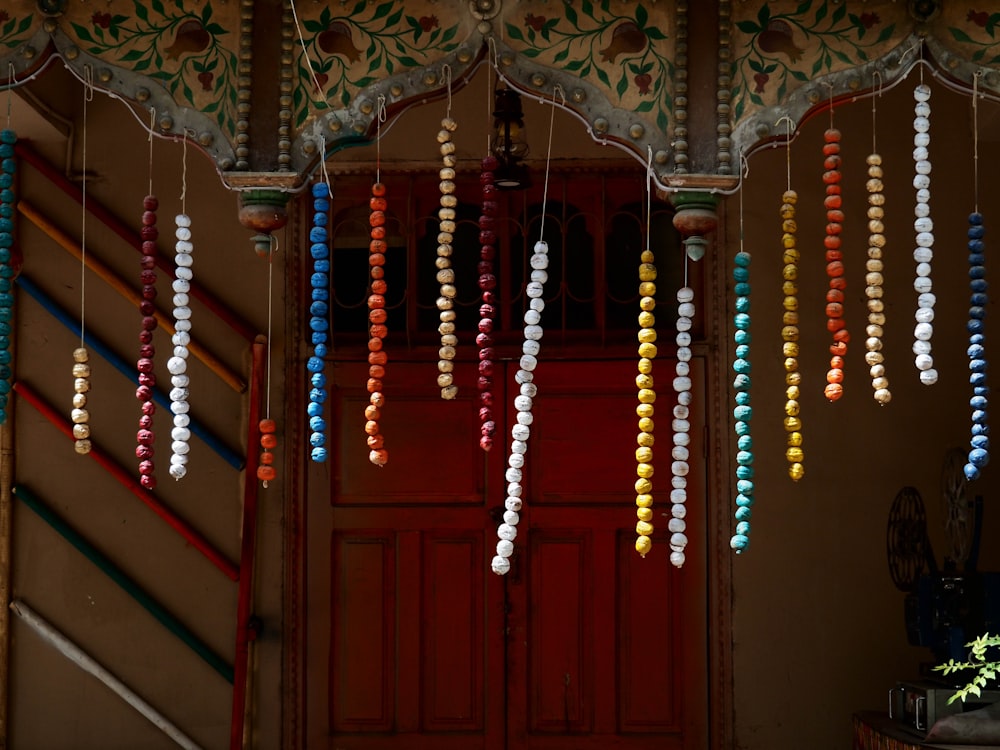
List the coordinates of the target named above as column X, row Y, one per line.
column 88, row 664
column 182, row 527
column 230, row 378
column 162, row 615
column 230, row 456
column 98, row 211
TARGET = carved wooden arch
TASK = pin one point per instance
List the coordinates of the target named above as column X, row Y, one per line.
column 265, row 88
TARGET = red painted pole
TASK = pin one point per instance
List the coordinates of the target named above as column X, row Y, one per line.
column 182, row 527
column 245, row 630
column 32, row 157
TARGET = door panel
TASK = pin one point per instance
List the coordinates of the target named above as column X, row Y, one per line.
column 582, row 645
column 417, row 635
column 607, row 649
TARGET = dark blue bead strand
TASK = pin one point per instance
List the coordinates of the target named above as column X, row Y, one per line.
column 979, row 451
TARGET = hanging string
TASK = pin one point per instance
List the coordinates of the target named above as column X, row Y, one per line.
column 548, row 155
column 446, row 70
column 830, row 86
column 11, row 80
column 270, row 300
column 305, row 54
column 322, row 165
column 790, row 126
column 875, row 74
column 88, row 96
column 380, row 115
column 975, row 138
column 152, row 125
column 184, row 171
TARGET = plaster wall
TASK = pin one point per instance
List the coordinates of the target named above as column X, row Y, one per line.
column 818, row 624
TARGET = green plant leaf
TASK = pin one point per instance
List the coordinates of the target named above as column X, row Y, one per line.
column 82, row 32
column 513, row 32
column 382, row 10
column 748, row 27
column 641, row 17
column 959, row 35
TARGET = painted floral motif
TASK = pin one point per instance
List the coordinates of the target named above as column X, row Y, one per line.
column 615, row 50
column 178, row 47
column 12, row 30
column 346, row 53
column 987, row 52
column 782, row 49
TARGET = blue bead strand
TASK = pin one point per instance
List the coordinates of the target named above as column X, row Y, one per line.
column 979, row 452
column 8, row 168
column 318, row 325
column 742, row 412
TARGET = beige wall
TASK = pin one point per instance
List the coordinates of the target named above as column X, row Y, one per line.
column 818, row 624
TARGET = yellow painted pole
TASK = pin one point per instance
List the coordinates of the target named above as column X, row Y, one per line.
column 232, row 379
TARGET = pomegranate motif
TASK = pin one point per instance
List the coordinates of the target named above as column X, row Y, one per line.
column 336, row 40
column 626, row 39
column 777, row 37
column 191, row 37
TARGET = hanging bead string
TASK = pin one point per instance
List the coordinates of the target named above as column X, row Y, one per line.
column 525, row 376
column 834, row 261
column 266, row 471
column 742, row 411
column 923, row 253
column 8, row 199
column 319, row 308
column 874, row 268
column 377, row 359
column 446, row 234
column 145, row 437
column 81, row 367
column 487, row 283
column 790, row 319
column 979, row 455
column 177, row 365
column 681, row 423
column 644, row 381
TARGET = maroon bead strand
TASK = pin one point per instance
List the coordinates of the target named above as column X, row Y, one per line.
column 487, row 311
column 147, row 379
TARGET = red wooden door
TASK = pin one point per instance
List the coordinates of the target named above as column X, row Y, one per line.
column 582, row 645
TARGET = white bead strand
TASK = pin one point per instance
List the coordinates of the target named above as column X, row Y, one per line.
column 523, row 403
column 177, row 364
column 924, row 228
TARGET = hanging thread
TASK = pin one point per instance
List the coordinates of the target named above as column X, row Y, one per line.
column 177, row 364
column 145, row 437
column 266, row 471
column 525, row 376
column 445, row 275
column 742, row 411
column 81, row 368
column 319, row 249
column 979, row 454
column 377, row 331
column 874, row 268
column 790, row 322
column 8, row 200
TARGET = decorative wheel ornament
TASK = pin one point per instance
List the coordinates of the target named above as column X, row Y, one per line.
column 319, row 306
column 924, row 228
column 145, row 436
column 790, row 337
column 445, row 273
column 957, row 507
column 906, row 538
column 177, row 365
column 979, row 453
column 742, row 411
column 8, row 168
